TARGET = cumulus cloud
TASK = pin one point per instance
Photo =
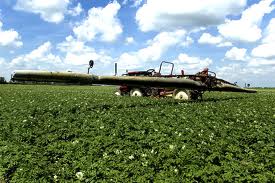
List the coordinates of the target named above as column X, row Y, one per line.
column 102, row 22
column 236, row 54
column 130, row 60
column 2, row 61
column 135, row 3
column 252, row 74
column 50, row 11
column 266, row 49
column 175, row 14
column 225, row 44
column 259, row 62
column 76, row 10
column 236, row 72
column 129, row 40
column 3, row 67
column 40, row 58
column 155, row 49
column 9, row 37
column 187, row 42
column 191, row 64
column 161, row 43
column 259, row 66
column 76, row 57
column 270, row 32
column 77, row 53
column 247, row 28
column 207, row 38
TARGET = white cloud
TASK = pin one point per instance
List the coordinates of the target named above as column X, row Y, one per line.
column 76, row 10
column 237, row 54
column 225, row 44
column 129, row 60
column 124, row 2
column 270, row 32
column 155, row 49
column 77, row 56
column 247, row 28
column 136, row 3
column 266, row 49
column 40, row 58
column 77, row 53
column 50, row 10
column 161, row 43
column 101, row 22
column 175, row 14
column 9, row 37
column 256, row 75
column 187, row 42
column 3, row 67
column 129, row 40
column 191, row 64
column 259, row 62
column 257, row 67
column 207, row 38
column 236, row 72
column 2, row 61
column 219, row 41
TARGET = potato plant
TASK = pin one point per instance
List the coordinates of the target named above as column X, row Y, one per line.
column 86, row 134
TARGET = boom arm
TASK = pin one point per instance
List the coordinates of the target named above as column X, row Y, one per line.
column 138, row 81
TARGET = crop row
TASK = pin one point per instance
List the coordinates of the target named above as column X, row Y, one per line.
column 83, row 133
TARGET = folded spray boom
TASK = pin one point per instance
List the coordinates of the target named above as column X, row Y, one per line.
column 134, row 81
column 141, row 83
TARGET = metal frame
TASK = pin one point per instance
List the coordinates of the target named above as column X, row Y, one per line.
column 160, row 67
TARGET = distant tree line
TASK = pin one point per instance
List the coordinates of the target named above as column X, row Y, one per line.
column 2, row 80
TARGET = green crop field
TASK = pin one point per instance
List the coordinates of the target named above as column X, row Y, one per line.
column 86, row 134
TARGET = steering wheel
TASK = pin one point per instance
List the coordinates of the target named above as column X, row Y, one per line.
column 151, row 70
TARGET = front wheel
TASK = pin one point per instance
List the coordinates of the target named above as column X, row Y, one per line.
column 135, row 92
column 181, row 94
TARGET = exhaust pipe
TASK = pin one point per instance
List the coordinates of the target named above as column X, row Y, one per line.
column 115, row 69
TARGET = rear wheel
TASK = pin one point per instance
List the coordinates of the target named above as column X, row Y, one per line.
column 135, row 92
column 181, row 94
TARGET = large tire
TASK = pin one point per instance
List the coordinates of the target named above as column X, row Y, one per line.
column 135, row 92
column 181, row 94
column 118, row 93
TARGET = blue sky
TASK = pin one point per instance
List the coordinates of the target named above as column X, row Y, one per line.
column 234, row 38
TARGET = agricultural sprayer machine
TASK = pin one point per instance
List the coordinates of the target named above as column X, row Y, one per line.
column 142, row 83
